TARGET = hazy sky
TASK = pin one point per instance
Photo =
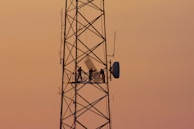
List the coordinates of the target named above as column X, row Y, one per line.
column 155, row 47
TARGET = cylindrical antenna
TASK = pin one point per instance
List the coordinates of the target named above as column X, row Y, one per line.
column 114, row 43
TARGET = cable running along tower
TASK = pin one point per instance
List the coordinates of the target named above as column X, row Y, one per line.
column 85, row 102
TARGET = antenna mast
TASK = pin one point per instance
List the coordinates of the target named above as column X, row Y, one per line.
column 85, row 102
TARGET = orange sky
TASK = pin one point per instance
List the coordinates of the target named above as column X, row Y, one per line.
column 155, row 46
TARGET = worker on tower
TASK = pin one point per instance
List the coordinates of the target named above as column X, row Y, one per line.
column 102, row 75
column 90, row 74
column 79, row 73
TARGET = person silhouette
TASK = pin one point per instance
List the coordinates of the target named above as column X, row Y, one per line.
column 90, row 74
column 103, row 75
column 79, row 73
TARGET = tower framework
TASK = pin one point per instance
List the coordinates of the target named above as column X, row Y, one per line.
column 85, row 102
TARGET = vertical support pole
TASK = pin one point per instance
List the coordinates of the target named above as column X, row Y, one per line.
column 63, row 70
column 76, row 55
column 107, row 69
